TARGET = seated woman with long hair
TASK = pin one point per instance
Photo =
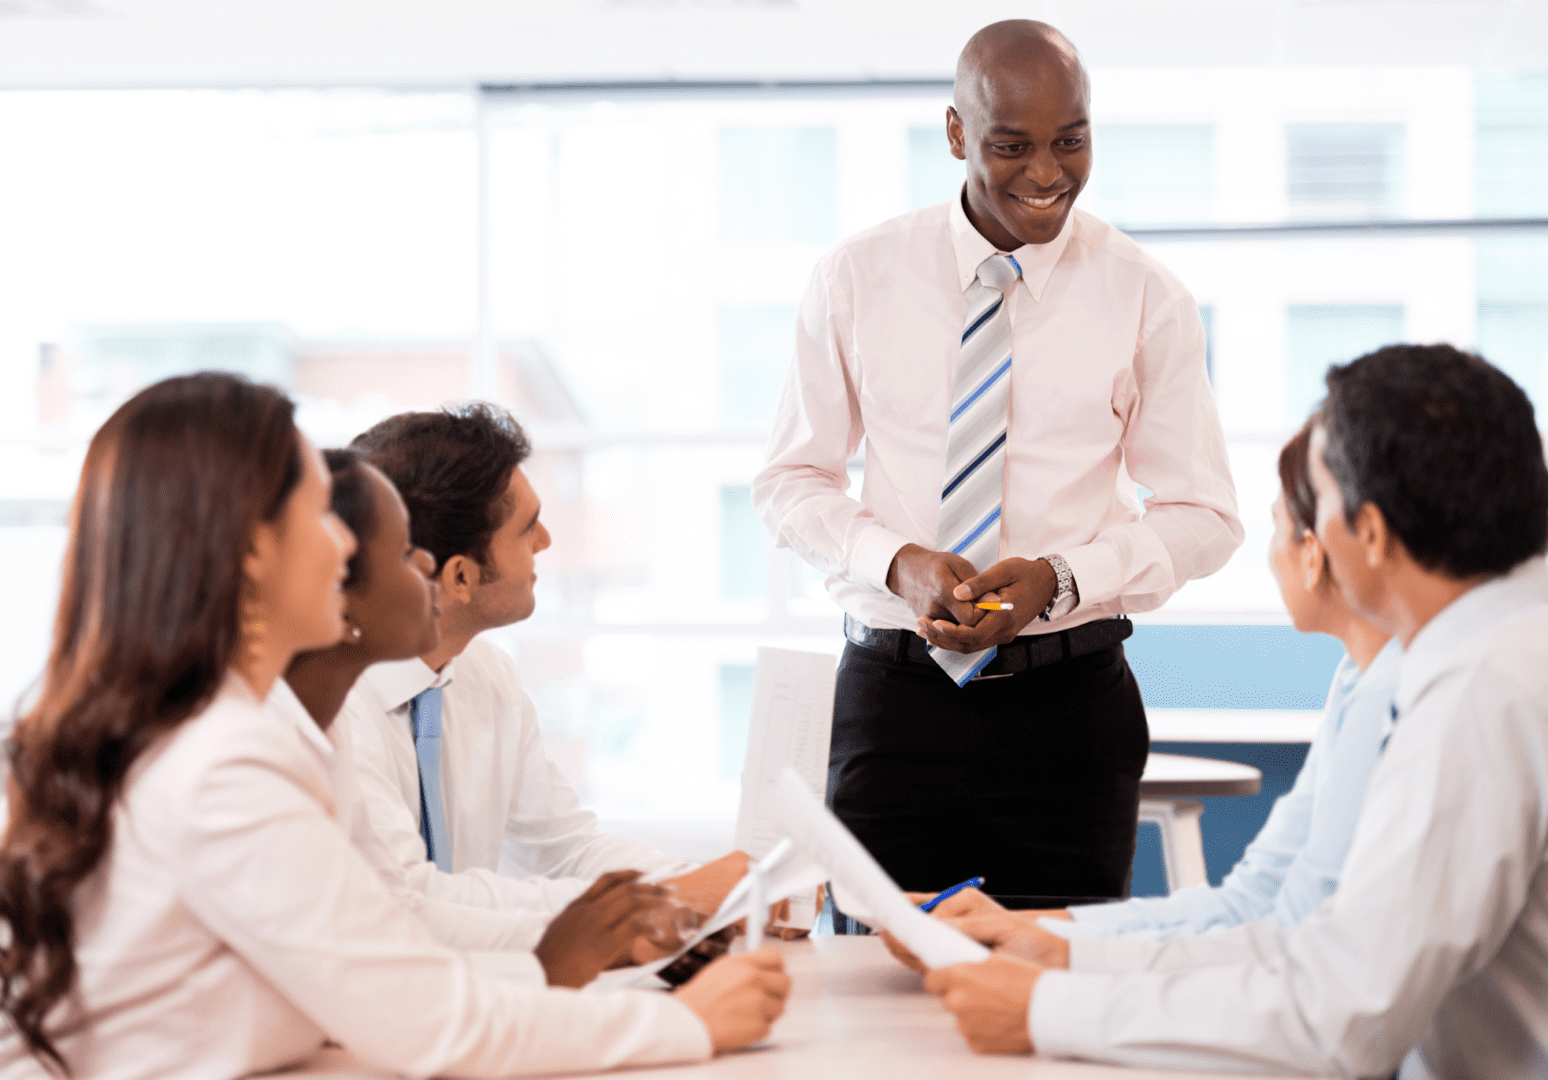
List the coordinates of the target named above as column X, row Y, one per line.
column 178, row 899
column 390, row 614
column 1295, row 861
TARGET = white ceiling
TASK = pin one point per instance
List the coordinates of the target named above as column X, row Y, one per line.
column 93, row 43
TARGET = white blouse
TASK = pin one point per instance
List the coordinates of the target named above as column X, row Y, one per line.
column 233, row 928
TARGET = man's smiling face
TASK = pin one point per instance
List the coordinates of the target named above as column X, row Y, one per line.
column 1020, row 122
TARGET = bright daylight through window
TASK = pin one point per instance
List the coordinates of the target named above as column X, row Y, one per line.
column 328, row 241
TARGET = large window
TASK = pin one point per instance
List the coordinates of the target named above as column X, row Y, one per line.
column 1317, row 335
column 646, row 254
column 1153, row 174
column 1345, row 170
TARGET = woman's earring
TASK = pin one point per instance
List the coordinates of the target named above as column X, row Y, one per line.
column 254, row 627
column 352, row 633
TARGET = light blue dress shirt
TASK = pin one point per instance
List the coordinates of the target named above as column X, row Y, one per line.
column 1295, row 861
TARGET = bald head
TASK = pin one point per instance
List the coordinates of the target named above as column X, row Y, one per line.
column 1019, row 119
column 1011, row 52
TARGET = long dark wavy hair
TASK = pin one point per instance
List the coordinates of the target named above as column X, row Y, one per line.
column 149, row 622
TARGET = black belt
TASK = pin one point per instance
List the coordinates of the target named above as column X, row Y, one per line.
column 1025, row 653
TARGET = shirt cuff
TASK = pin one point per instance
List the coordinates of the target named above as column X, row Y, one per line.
column 875, row 548
column 1097, row 574
column 1065, row 1017
column 1070, row 929
column 1100, row 914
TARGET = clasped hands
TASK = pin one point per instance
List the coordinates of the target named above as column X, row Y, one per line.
column 991, row 999
column 941, row 589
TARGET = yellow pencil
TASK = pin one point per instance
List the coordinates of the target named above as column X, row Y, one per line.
column 990, row 605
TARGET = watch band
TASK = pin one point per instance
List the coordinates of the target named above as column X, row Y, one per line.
column 1065, row 595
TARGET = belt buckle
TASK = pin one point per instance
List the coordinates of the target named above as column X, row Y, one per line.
column 984, row 678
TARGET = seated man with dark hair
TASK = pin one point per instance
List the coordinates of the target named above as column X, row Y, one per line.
column 448, row 754
column 1432, row 505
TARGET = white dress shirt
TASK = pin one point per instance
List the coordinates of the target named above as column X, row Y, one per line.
column 459, row 926
column 1438, row 935
column 232, row 928
column 519, row 835
column 1294, row 862
column 1108, row 387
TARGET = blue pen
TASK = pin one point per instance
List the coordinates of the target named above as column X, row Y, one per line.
column 970, row 883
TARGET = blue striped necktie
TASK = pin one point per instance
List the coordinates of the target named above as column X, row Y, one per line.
column 975, row 440
column 426, row 712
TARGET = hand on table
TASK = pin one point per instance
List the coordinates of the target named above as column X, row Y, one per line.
column 600, row 927
column 991, row 1000
column 1027, row 583
column 927, row 581
column 1007, row 932
column 738, row 997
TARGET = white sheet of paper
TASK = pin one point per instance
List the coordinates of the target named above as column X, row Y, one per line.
column 863, row 887
column 791, row 723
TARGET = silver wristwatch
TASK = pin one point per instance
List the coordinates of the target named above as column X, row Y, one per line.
column 1065, row 596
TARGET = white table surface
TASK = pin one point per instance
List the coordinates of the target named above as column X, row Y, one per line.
column 854, row 1013
column 1179, row 776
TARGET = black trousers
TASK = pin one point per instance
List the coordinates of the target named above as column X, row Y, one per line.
column 1030, row 781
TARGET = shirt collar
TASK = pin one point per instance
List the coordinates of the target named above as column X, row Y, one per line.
column 283, row 700
column 401, row 681
column 1037, row 260
column 1441, row 640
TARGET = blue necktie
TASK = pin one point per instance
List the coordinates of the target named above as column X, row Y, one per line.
column 975, row 440
column 426, row 712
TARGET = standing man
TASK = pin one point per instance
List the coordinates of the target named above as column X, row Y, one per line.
column 1014, row 367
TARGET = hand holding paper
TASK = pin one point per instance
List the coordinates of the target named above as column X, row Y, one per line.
column 861, row 887
column 781, row 873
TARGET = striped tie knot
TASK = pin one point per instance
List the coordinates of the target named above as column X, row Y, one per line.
column 999, row 272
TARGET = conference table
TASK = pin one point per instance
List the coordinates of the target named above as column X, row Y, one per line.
column 854, row 1013
column 1168, row 793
